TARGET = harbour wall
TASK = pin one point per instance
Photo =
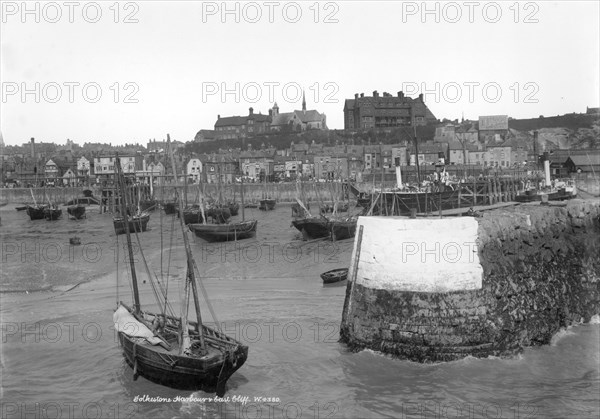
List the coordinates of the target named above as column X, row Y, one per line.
column 530, row 271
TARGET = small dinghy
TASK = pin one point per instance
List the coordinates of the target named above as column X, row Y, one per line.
column 335, row 275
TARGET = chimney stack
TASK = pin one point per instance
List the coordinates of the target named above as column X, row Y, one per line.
column 218, row 116
column 421, row 97
column 401, row 94
column 251, row 110
column 355, row 95
column 32, row 148
column 375, row 94
column 362, row 95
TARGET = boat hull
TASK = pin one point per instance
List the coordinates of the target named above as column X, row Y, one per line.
column 36, row 213
column 266, row 204
column 334, row 276
column 181, row 372
column 76, row 211
column 225, row 232
column 137, row 224
column 312, row 228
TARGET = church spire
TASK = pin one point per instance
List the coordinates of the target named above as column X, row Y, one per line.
column 303, row 102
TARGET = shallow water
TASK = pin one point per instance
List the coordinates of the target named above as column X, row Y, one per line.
column 60, row 357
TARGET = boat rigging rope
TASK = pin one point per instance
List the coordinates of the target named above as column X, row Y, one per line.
column 154, row 289
column 205, row 294
column 117, row 263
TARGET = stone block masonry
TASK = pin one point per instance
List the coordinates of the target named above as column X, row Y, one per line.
column 538, row 267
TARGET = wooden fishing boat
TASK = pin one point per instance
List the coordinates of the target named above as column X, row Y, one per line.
column 267, row 204
column 170, row 350
column 52, row 213
column 335, row 275
column 76, row 211
column 312, row 227
column 225, row 232
column 23, row 208
column 36, row 212
column 137, row 223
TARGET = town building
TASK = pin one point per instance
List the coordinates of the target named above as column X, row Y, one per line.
column 194, row 170
column 296, row 121
column 385, row 111
column 238, row 127
column 493, row 128
column 104, row 166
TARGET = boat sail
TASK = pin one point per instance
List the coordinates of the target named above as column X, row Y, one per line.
column 168, row 349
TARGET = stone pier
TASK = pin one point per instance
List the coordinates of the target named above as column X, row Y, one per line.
column 439, row 290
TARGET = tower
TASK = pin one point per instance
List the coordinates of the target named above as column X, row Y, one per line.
column 275, row 109
column 303, row 102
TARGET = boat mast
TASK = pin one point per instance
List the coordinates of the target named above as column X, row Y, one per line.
column 123, row 202
column 417, row 157
column 242, row 196
column 189, row 275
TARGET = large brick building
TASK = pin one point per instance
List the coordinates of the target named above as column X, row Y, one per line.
column 233, row 127
column 385, row 111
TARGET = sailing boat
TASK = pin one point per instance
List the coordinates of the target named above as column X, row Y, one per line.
column 171, row 350
column 230, row 231
column 35, row 211
column 137, row 222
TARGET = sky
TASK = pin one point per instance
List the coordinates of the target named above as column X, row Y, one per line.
column 129, row 72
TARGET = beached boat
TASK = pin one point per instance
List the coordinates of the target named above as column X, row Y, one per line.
column 335, row 275
column 168, row 349
column 312, row 227
column 23, row 208
column 267, row 204
column 225, row 232
column 137, row 223
column 36, row 212
column 76, row 211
